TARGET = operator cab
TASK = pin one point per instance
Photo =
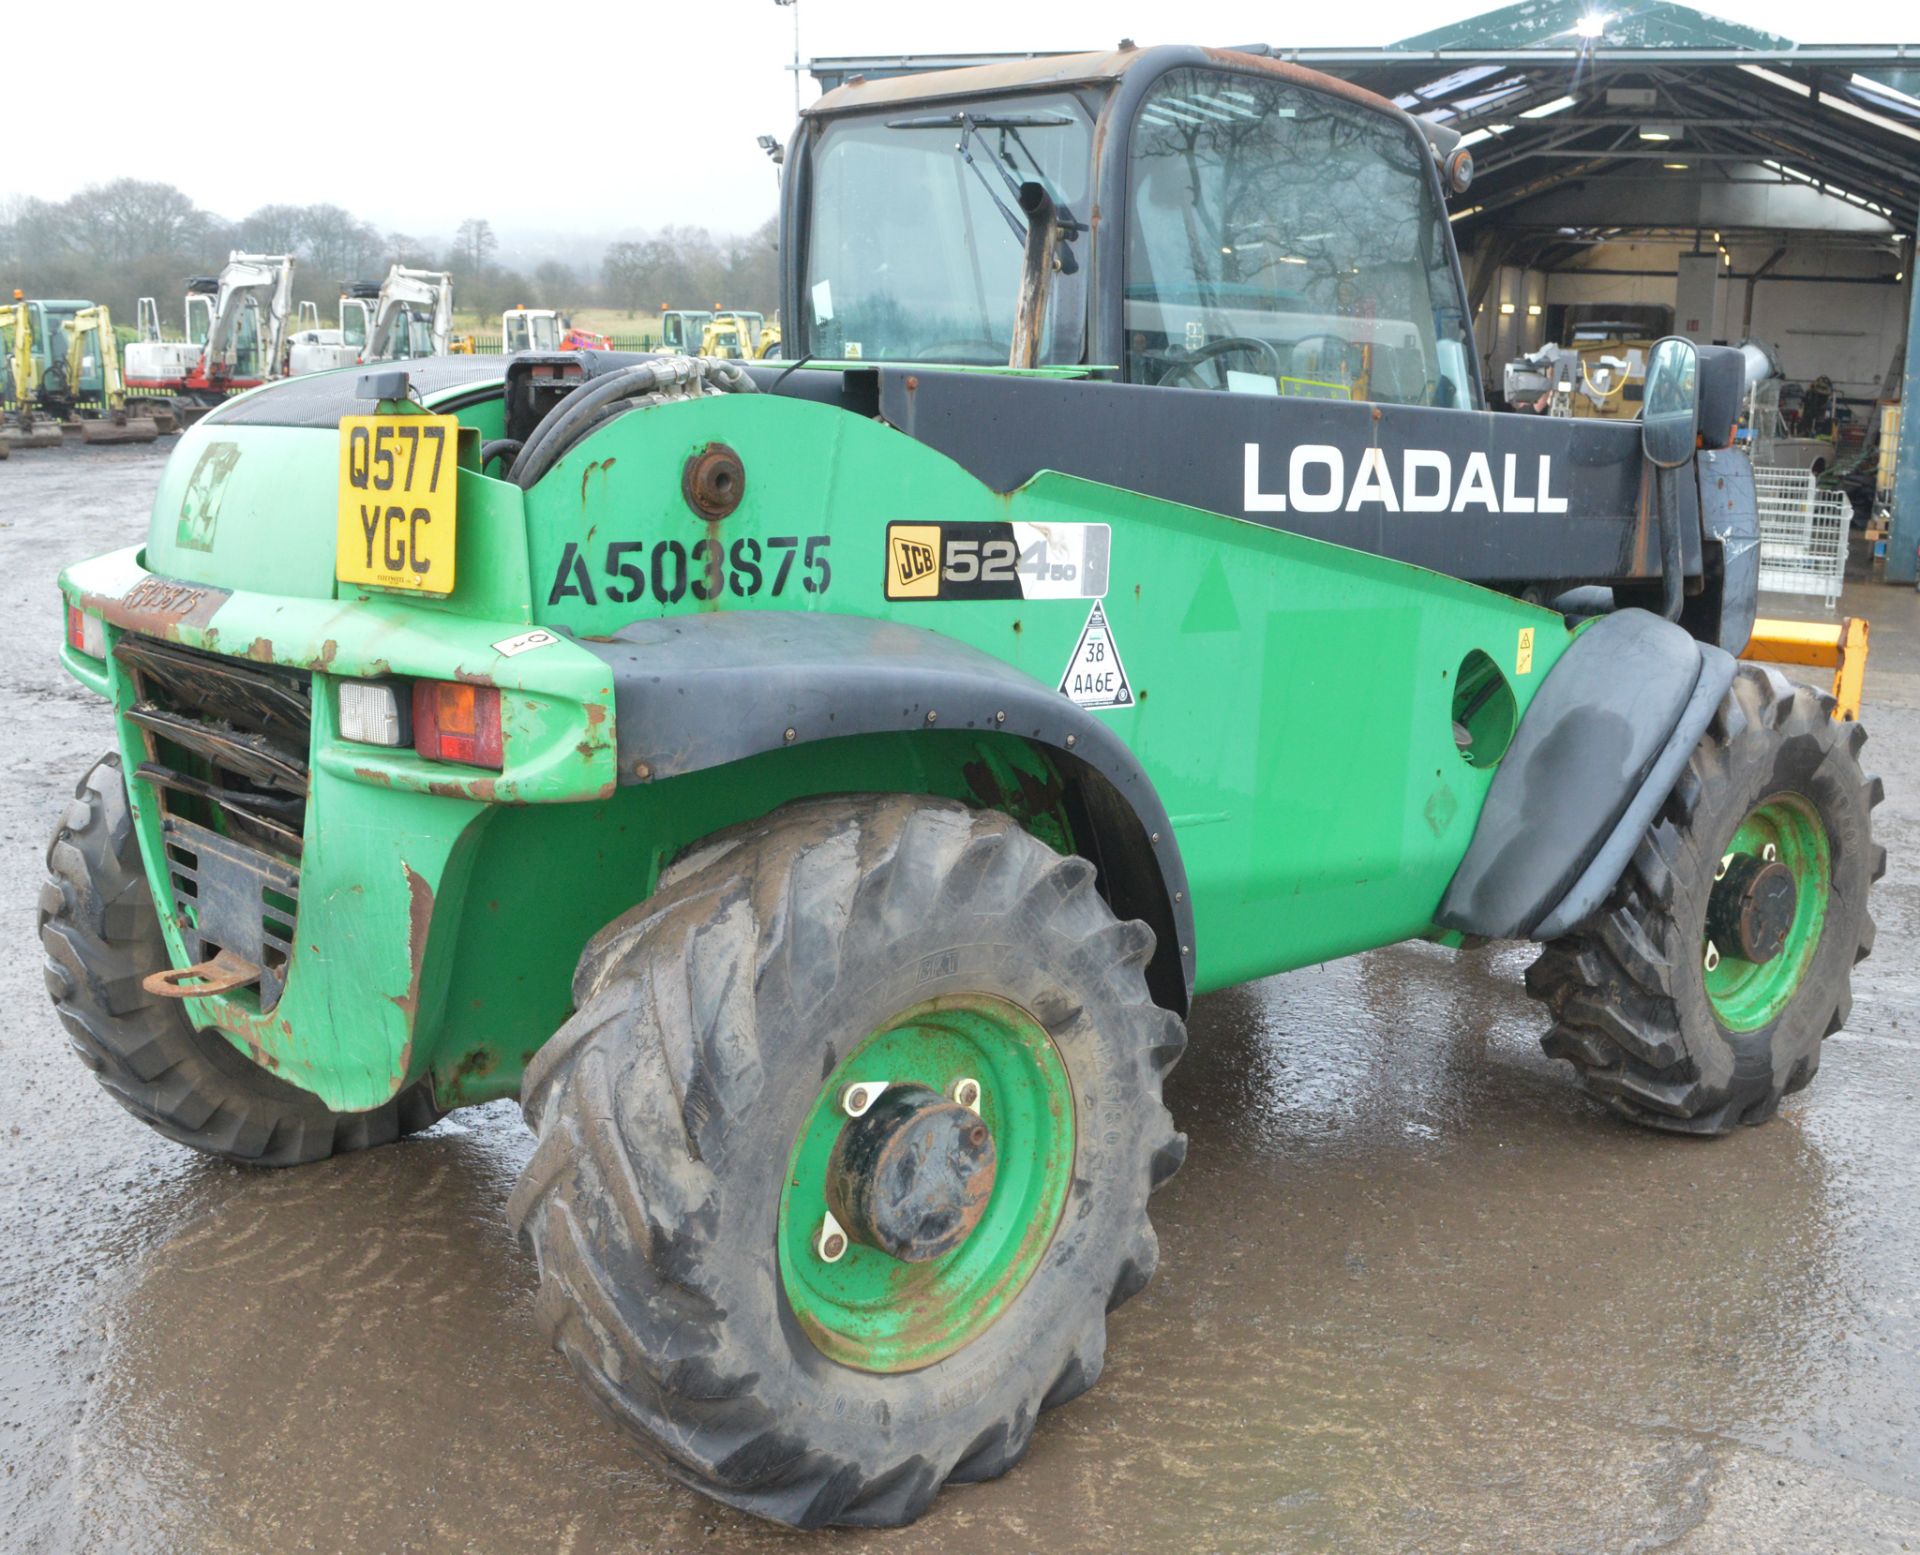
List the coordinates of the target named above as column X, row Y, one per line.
column 681, row 329
column 1221, row 221
column 51, row 323
column 530, row 329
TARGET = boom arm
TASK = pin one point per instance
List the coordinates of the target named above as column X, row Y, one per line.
column 97, row 321
column 432, row 289
column 267, row 277
column 19, row 357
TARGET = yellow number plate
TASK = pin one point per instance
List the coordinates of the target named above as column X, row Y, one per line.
column 398, row 477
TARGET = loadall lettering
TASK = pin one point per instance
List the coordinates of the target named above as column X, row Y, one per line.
column 1317, row 483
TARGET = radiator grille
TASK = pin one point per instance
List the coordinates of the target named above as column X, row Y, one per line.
column 227, row 747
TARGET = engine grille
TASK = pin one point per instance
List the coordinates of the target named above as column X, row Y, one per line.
column 227, row 752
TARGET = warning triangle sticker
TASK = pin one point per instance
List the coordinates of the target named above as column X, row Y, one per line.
column 1094, row 676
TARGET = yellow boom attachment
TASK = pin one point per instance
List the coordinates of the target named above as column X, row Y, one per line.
column 1837, row 645
column 98, row 322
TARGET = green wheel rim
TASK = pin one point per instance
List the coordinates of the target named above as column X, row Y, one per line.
column 1747, row 995
column 872, row 1311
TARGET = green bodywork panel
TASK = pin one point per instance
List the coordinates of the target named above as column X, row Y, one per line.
column 1293, row 705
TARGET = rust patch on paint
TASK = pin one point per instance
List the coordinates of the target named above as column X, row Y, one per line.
column 159, row 606
column 419, row 923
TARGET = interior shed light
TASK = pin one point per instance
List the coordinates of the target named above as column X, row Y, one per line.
column 1506, row 307
column 1533, row 310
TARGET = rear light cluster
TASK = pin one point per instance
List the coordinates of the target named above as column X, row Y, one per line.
column 453, row 721
column 444, row 720
column 86, row 633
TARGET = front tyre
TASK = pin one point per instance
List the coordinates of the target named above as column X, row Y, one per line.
column 845, row 1156
column 1699, row 995
column 101, row 936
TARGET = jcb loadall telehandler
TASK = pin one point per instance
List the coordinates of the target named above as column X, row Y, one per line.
column 817, row 792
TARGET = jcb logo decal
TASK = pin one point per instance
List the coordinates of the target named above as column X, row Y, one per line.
column 913, row 561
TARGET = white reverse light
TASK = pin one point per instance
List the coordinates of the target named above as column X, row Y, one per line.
column 370, row 713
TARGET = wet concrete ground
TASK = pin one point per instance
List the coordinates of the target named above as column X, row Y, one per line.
column 1416, row 1293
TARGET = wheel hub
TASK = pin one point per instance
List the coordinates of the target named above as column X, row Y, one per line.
column 1752, row 907
column 912, row 1174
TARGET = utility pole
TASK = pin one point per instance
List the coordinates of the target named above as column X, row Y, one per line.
column 794, row 6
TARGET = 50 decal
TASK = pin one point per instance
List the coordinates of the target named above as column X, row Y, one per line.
column 668, row 571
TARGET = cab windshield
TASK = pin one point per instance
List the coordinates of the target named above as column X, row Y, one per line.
column 916, row 240
column 1285, row 241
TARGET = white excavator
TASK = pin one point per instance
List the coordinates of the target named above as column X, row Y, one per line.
column 409, row 314
column 246, row 309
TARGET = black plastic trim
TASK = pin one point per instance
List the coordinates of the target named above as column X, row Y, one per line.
column 696, row 692
column 1591, row 889
column 1594, row 757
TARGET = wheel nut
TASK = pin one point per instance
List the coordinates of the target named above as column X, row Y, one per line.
column 967, row 1093
column 1712, row 958
column 859, row 1097
column 831, row 1244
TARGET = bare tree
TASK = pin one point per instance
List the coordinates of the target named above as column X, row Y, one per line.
column 625, row 272
column 474, row 244
column 273, row 229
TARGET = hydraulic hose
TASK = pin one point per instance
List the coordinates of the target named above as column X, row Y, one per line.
column 498, row 448
column 528, row 467
column 568, row 421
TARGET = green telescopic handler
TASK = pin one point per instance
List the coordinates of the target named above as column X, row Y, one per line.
column 817, row 790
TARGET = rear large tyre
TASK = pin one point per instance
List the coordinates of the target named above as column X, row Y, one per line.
column 101, row 937
column 686, row 1113
column 1654, row 1002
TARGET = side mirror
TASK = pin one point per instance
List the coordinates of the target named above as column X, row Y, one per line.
column 1670, row 407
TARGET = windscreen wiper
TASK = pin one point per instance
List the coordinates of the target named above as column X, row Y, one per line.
column 967, row 123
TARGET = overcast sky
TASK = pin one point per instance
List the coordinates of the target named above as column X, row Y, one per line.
column 593, row 117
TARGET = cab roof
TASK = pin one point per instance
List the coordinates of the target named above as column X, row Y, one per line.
column 1071, row 70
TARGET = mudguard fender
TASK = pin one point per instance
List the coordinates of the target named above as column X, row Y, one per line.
column 696, row 692
column 1600, row 748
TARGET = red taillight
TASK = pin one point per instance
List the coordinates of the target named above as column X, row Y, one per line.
column 457, row 722
column 86, row 633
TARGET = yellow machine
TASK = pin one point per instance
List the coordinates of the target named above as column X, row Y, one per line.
column 111, row 421
column 80, row 392
column 739, row 336
column 22, row 425
column 1840, row 646
column 1603, row 373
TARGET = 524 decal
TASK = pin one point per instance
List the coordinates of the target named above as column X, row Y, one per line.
column 997, row 561
column 627, row 572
